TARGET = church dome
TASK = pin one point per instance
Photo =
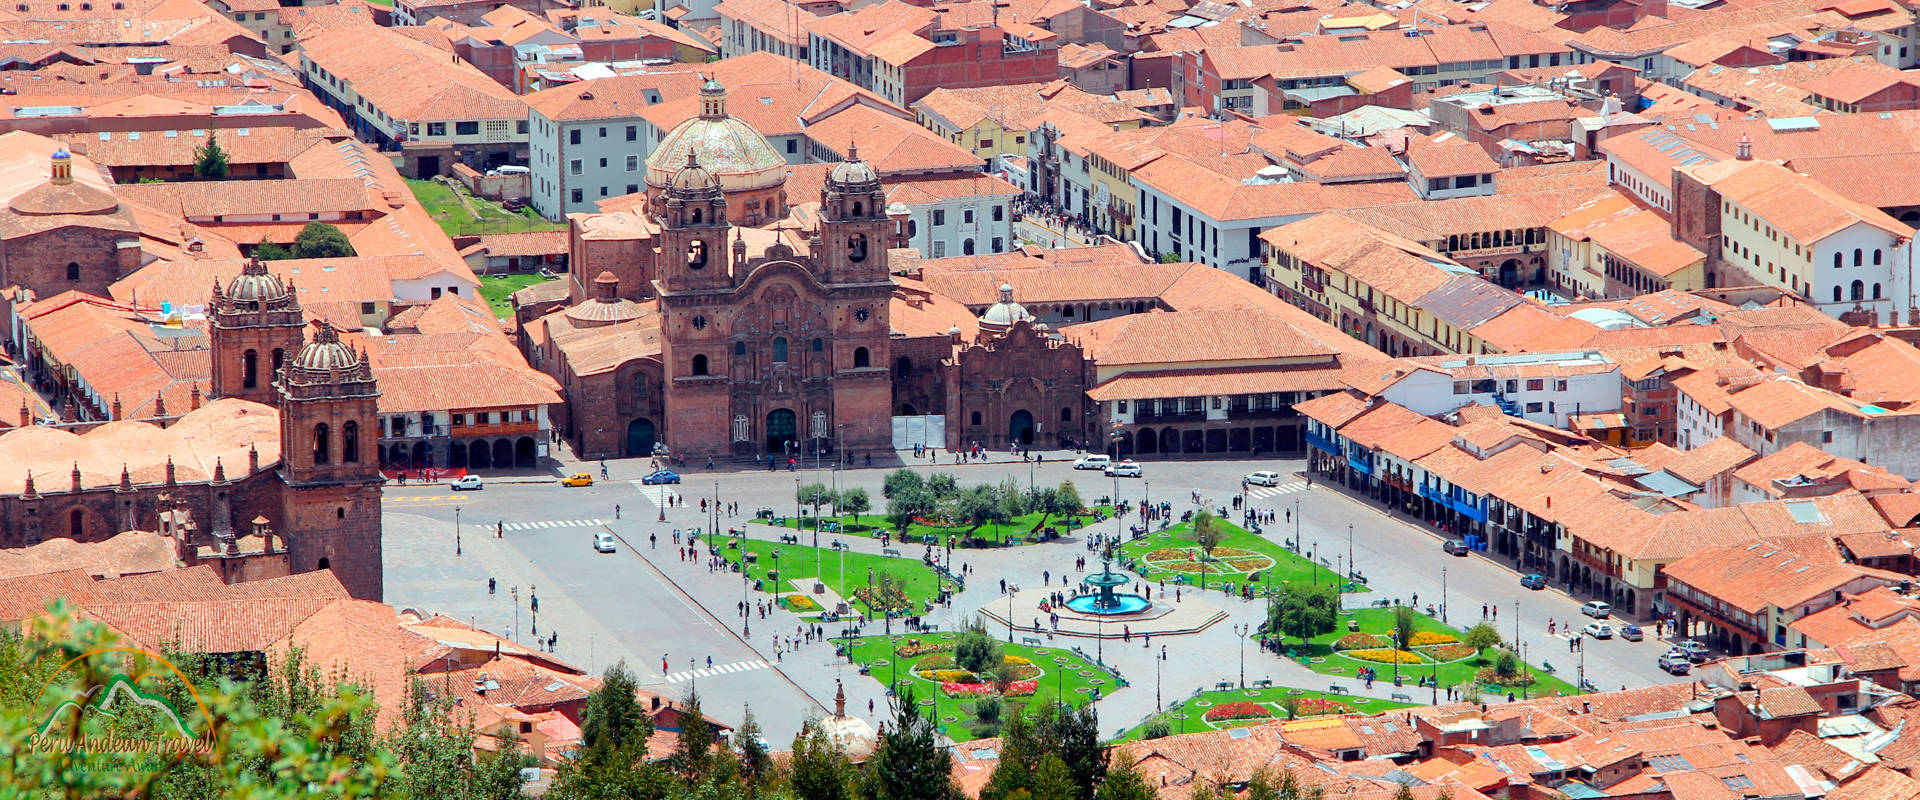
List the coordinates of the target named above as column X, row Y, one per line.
column 730, row 149
column 606, row 307
column 255, row 283
column 693, row 179
column 1005, row 312
column 60, row 195
column 854, row 173
column 326, row 352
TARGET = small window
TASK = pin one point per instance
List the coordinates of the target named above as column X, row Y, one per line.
column 739, row 348
column 699, row 365
column 861, row 358
column 73, row 270
column 779, row 349
column 819, row 345
column 633, row 133
column 466, row 128
column 975, row 418
column 573, row 136
column 1066, row 414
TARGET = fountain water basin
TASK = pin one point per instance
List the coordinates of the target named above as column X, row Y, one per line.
column 1104, row 601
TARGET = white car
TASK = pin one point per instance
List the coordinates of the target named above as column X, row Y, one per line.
column 1263, row 478
column 1093, row 461
column 1124, row 469
column 1598, row 630
column 465, row 483
column 603, row 542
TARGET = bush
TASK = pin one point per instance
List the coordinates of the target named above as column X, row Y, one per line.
column 1238, row 710
column 1424, row 638
column 1156, row 729
column 1491, row 675
column 1361, row 641
column 988, row 709
column 1384, row 656
column 976, row 652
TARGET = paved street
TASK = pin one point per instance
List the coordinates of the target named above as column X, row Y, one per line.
column 645, row 602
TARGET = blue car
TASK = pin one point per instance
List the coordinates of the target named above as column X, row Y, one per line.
column 661, row 476
column 1534, row 582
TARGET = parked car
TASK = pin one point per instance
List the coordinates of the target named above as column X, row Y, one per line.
column 1124, row 469
column 577, row 479
column 1597, row 610
column 1453, row 548
column 1093, row 461
column 1263, row 478
column 465, row 483
column 1632, row 633
column 1694, row 650
column 1598, row 630
column 1535, row 582
column 1675, row 663
column 661, row 476
column 603, row 542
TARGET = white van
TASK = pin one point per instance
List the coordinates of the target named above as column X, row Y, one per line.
column 1597, row 610
column 1097, row 461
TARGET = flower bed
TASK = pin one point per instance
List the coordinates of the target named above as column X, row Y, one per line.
column 1168, row 554
column 1424, row 638
column 1022, row 688
column 1446, row 652
column 1018, row 661
column 1314, row 706
column 918, row 647
column 799, row 604
column 1488, row 675
column 936, row 661
column 1014, row 689
column 1240, row 709
column 937, row 523
column 1188, row 566
column 1384, row 656
column 945, row 675
column 1232, row 552
column 1361, row 641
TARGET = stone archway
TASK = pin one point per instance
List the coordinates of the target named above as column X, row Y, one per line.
column 479, row 454
column 1020, row 428
column 502, row 453
column 524, row 452
column 1144, row 440
column 782, row 428
column 640, row 438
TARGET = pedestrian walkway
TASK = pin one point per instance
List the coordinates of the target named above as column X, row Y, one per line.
column 655, row 493
column 723, row 669
column 426, row 500
column 554, row 523
column 1263, row 492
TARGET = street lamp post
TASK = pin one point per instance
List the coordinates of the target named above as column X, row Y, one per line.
column 1156, row 676
column 746, row 612
column 1351, row 564
column 1296, row 524
column 516, row 612
column 1443, row 594
column 1010, row 590
column 456, row 530
column 1240, row 632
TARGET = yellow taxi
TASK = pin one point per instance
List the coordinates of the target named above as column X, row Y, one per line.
column 577, row 479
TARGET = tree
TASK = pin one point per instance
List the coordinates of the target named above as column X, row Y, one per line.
column 210, row 160
column 1506, row 666
column 978, row 505
column 909, row 764
column 613, row 718
column 1052, row 781
column 1481, row 636
column 900, row 480
column 1403, row 627
column 268, row 251
column 1290, row 704
column 943, row 486
column 815, row 495
column 693, row 757
column 1157, row 728
column 320, row 240
column 854, row 502
column 907, row 503
column 1124, row 782
column 755, row 764
column 1067, row 500
column 1207, row 531
column 976, row 652
column 1046, row 501
column 1305, row 612
column 818, row 770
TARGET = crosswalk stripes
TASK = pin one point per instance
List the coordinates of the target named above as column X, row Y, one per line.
column 656, row 493
column 554, row 523
column 1263, row 492
column 708, row 672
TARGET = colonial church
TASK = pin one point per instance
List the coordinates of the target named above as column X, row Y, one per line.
column 713, row 316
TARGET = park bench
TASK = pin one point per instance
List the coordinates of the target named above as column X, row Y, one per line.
column 789, row 538
column 1223, row 685
column 1546, row 667
column 1264, row 683
column 839, row 545
column 1030, row 641
column 753, row 558
column 830, row 527
column 1403, row 697
column 1334, row 688
column 889, row 551
column 1353, row 626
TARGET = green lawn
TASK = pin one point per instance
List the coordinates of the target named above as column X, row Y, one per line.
column 1322, row 658
column 1240, row 554
column 1189, row 715
column 444, row 205
column 919, row 581
column 916, row 533
column 1063, row 675
column 498, row 288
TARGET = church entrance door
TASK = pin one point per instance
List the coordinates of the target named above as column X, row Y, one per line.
column 1020, row 428
column 781, row 429
column 640, row 438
